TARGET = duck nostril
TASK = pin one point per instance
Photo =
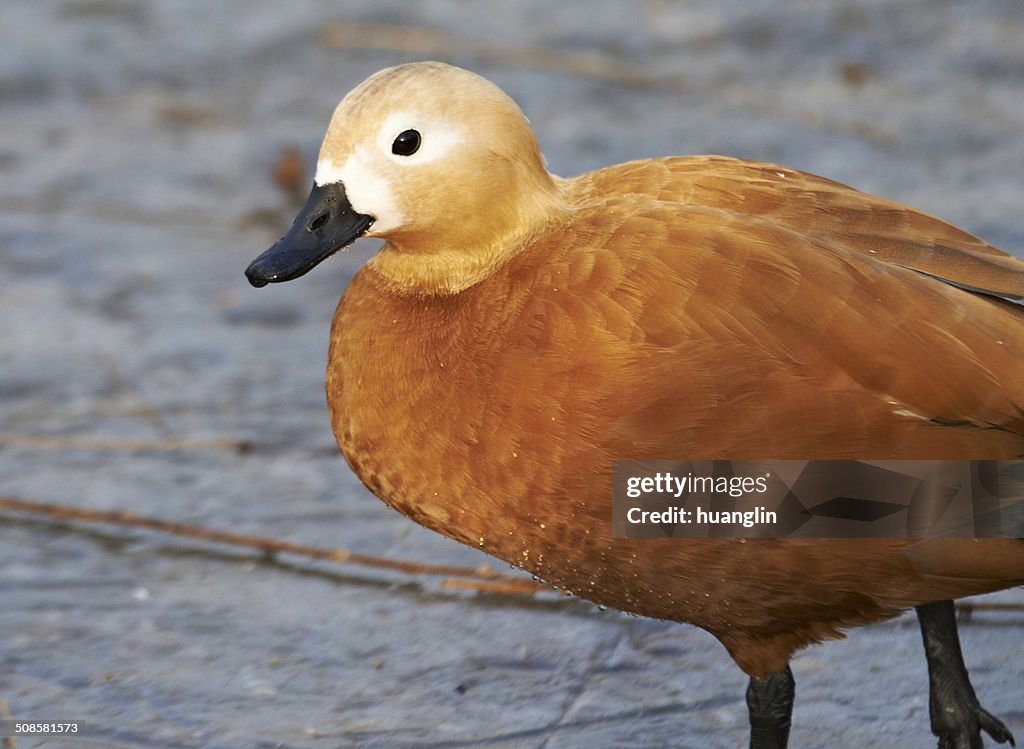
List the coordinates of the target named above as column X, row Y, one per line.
column 319, row 221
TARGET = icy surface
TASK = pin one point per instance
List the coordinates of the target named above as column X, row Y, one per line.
column 137, row 139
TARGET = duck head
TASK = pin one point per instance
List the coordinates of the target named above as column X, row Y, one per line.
column 437, row 161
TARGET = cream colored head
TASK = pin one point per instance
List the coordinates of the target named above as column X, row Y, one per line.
column 450, row 207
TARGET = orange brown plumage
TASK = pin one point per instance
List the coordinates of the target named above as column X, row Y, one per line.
column 489, row 363
column 654, row 331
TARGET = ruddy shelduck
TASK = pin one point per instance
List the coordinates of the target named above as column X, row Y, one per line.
column 517, row 332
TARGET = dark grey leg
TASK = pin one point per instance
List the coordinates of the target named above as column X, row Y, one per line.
column 956, row 715
column 770, row 701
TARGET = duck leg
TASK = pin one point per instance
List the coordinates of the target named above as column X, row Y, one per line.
column 770, row 702
column 956, row 715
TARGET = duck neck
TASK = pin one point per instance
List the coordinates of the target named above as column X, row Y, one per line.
column 470, row 248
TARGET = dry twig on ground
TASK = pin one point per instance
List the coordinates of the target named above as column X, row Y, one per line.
column 469, row 577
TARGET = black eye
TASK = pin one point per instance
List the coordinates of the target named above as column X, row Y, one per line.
column 407, row 143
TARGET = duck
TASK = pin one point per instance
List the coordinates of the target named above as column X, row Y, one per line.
column 516, row 333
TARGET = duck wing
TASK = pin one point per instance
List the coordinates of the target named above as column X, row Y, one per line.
column 829, row 211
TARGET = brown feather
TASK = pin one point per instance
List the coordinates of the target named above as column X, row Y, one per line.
column 697, row 308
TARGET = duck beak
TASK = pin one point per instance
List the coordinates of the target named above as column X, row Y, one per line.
column 326, row 224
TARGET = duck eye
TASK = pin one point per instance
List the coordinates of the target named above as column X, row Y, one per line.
column 407, row 143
